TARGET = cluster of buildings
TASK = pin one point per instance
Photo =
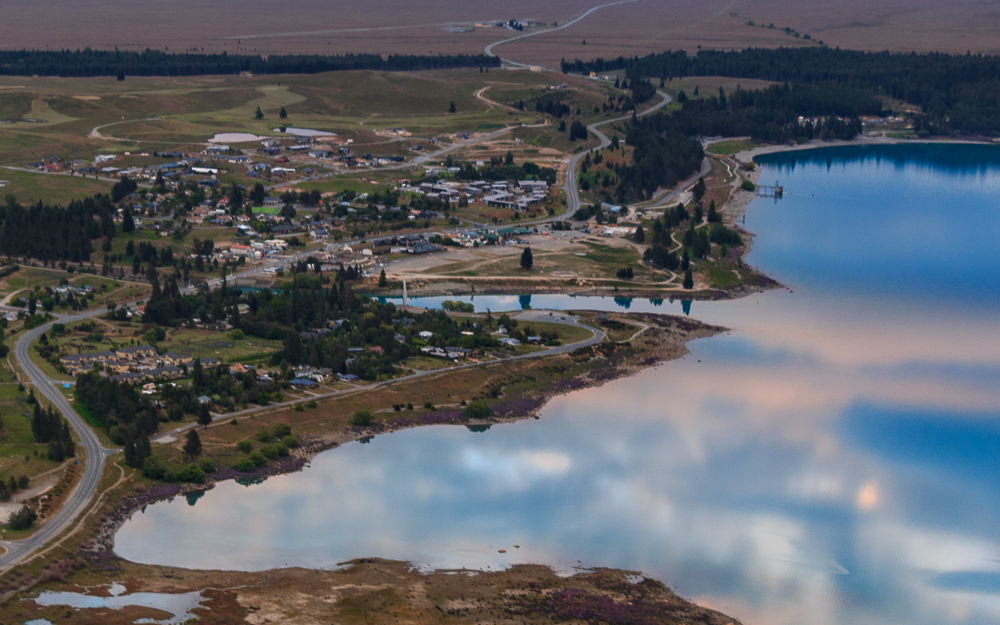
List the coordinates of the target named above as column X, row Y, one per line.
column 491, row 236
column 133, row 364
column 500, row 194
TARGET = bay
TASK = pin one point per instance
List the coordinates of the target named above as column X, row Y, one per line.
column 831, row 460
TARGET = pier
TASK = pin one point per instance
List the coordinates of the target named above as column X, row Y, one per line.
column 776, row 191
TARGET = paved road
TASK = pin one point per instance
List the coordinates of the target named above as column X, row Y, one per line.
column 94, row 454
column 570, row 187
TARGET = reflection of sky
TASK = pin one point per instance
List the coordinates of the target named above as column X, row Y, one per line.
column 831, row 461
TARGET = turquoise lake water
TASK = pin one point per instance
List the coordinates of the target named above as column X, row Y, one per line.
column 833, row 459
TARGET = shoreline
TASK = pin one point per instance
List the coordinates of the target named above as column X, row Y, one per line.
column 659, row 339
column 664, row 337
column 862, row 140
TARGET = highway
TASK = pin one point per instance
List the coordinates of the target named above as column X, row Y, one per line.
column 93, row 457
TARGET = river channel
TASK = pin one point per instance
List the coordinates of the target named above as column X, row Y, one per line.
column 834, row 459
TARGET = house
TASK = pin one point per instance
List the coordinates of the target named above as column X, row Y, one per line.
column 510, row 341
column 304, row 383
column 534, row 340
column 348, row 377
column 319, row 233
column 426, row 334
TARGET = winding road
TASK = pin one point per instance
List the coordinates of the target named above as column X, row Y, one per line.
column 93, row 457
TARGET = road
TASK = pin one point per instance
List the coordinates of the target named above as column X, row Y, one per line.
column 570, row 187
column 489, row 49
column 93, row 457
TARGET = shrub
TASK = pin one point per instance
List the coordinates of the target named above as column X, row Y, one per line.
column 269, row 451
column 188, row 473
column 280, row 430
column 312, row 404
column 263, row 435
column 746, row 185
column 361, row 418
column 299, row 408
column 282, row 450
column 244, row 465
column 154, row 468
column 244, row 447
column 22, row 519
column 429, row 406
column 258, row 459
column 207, row 465
column 290, row 441
column 477, row 409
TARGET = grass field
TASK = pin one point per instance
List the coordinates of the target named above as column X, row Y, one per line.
column 728, row 148
column 29, row 187
column 17, row 446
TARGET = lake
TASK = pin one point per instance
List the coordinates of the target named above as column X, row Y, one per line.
column 831, row 460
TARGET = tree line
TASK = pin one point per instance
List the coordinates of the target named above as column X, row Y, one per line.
column 772, row 114
column 55, row 233
column 87, row 62
column 955, row 92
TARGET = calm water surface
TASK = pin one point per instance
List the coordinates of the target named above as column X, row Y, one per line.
column 834, row 459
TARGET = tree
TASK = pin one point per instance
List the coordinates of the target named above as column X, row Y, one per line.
column 451, row 107
column 361, row 418
column 258, row 194
column 699, row 189
column 477, row 409
column 527, row 261
column 257, row 114
column 382, row 281
column 128, row 224
column 22, row 519
column 121, row 75
column 204, row 416
column 174, row 411
column 283, row 114
column 293, row 347
column 713, row 215
column 509, row 158
column 32, row 304
column 688, row 279
column 192, row 446
column 640, row 235
column 577, row 131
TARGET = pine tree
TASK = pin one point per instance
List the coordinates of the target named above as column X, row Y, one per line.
column 713, row 215
column 382, row 280
column 204, row 416
column 527, row 261
column 699, row 189
column 283, row 114
column 640, row 235
column 257, row 114
column 688, row 279
column 68, row 447
column 128, row 224
column 451, row 108
column 192, row 446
